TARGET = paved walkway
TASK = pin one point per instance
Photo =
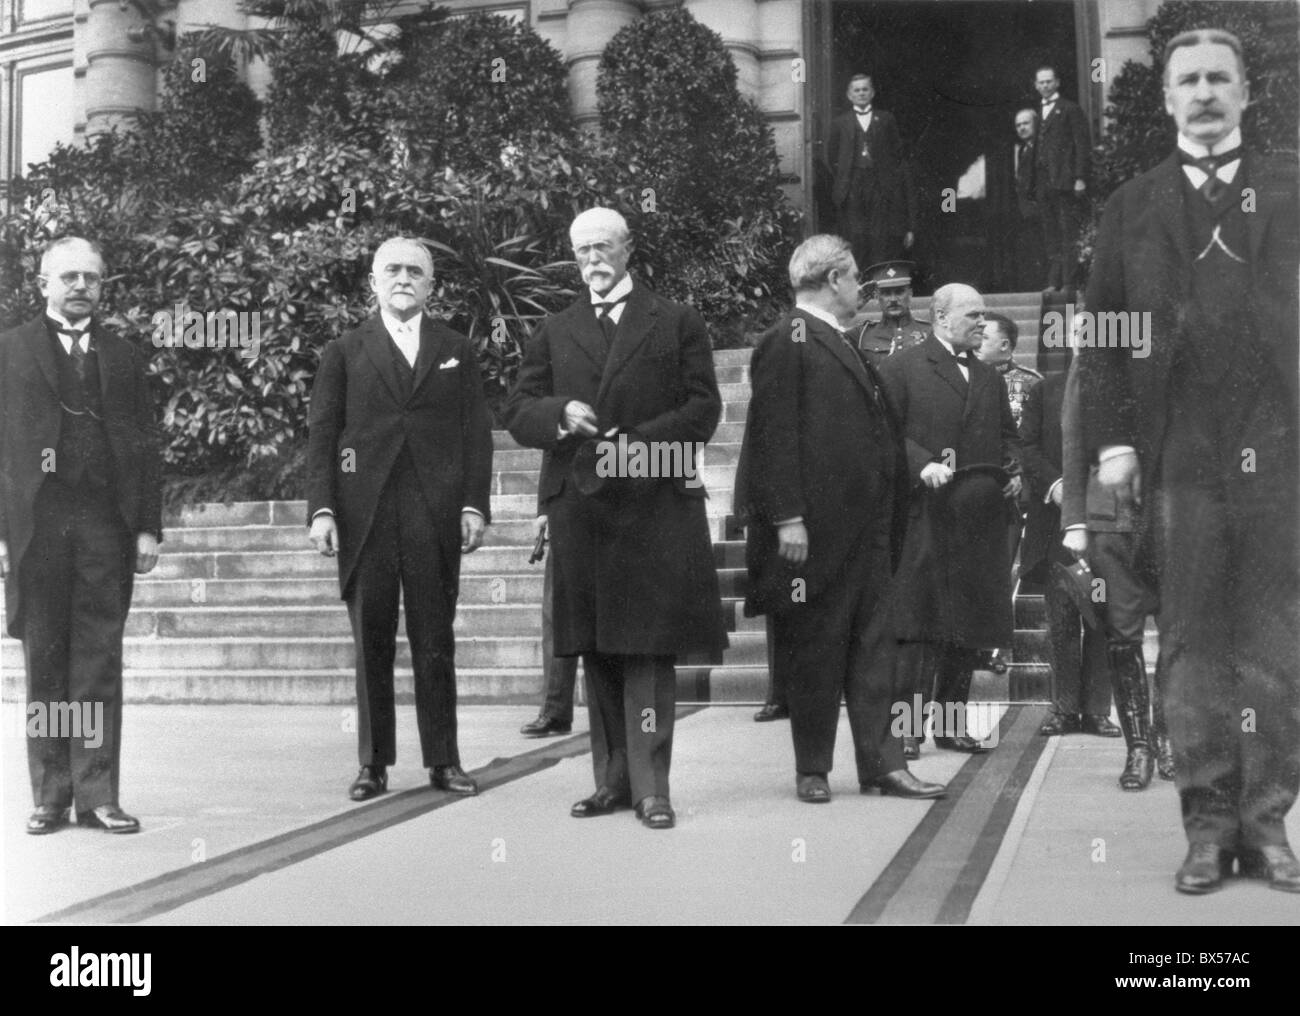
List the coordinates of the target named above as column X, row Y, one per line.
column 246, row 822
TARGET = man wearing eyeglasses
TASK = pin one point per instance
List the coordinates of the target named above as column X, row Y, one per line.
column 80, row 515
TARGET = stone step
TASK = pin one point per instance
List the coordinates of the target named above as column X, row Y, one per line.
column 303, row 686
column 518, row 588
column 293, row 653
column 323, row 620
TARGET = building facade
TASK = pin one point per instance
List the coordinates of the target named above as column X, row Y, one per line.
column 71, row 68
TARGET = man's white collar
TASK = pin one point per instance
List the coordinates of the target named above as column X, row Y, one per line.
column 619, row 291
column 394, row 325
column 819, row 314
column 1199, row 151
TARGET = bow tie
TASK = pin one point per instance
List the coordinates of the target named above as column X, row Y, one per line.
column 1050, row 102
column 862, row 112
column 1209, row 164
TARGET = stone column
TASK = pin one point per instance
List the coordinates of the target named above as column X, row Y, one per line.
column 590, row 26
column 737, row 22
column 120, row 76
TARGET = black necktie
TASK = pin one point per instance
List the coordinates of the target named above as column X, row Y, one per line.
column 604, row 308
column 1212, row 189
column 75, row 351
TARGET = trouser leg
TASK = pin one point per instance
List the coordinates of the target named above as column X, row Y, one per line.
column 649, row 715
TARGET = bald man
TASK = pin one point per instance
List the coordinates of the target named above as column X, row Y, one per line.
column 399, row 465
column 952, row 595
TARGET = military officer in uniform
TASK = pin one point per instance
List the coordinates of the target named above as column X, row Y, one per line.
column 998, row 350
column 896, row 329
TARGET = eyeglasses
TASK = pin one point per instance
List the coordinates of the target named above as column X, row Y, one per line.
column 70, row 279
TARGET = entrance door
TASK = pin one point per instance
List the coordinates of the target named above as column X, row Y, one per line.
column 953, row 73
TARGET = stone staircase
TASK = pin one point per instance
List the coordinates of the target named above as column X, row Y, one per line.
column 242, row 609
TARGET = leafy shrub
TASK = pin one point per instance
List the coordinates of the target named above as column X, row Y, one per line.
column 713, row 227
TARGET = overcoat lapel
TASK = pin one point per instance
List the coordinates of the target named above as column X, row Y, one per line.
column 829, row 338
column 634, row 326
column 1167, row 199
column 946, row 367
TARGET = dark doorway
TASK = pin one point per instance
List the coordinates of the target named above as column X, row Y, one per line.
column 953, row 73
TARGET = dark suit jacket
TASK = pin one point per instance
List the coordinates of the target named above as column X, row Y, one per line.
column 357, row 407
column 655, row 577
column 30, row 421
column 1064, row 148
column 1143, row 263
column 1041, row 449
column 954, row 582
column 892, row 177
column 821, row 442
column 1084, row 500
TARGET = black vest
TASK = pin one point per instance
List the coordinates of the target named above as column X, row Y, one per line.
column 1221, row 336
column 861, row 160
column 84, row 455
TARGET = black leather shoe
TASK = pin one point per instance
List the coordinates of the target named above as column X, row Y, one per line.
column 1137, row 769
column 813, row 788
column 453, row 779
column 602, row 802
column 545, row 726
column 901, row 783
column 47, row 819
column 911, row 747
column 110, row 818
column 1100, row 726
column 371, row 781
column 656, row 813
column 771, row 711
column 1059, row 723
column 1277, row 864
column 1204, row 870
column 961, row 743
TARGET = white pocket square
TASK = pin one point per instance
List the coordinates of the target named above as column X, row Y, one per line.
column 453, row 362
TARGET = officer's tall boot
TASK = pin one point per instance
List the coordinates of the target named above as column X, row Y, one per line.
column 1159, row 730
column 1129, row 681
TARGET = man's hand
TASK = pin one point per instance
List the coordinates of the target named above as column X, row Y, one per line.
column 1057, row 495
column 4, row 560
column 936, row 475
column 1076, row 542
column 580, row 418
column 324, row 535
column 792, row 542
column 1121, row 476
column 1012, row 489
column 471, row 531
column 146, row 553
column 1080, row 186
column 539, row 528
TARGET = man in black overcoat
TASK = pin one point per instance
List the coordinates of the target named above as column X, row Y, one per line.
column 953, row 594
column 1195, row 424
column 822, row 485
column 624, row 375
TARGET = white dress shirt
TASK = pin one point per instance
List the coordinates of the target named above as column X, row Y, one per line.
column 406, row 334
column 66, row 340
column 1227, row 172
column 961, row 364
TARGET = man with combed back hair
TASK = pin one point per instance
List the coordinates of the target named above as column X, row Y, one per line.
column 822, row 486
